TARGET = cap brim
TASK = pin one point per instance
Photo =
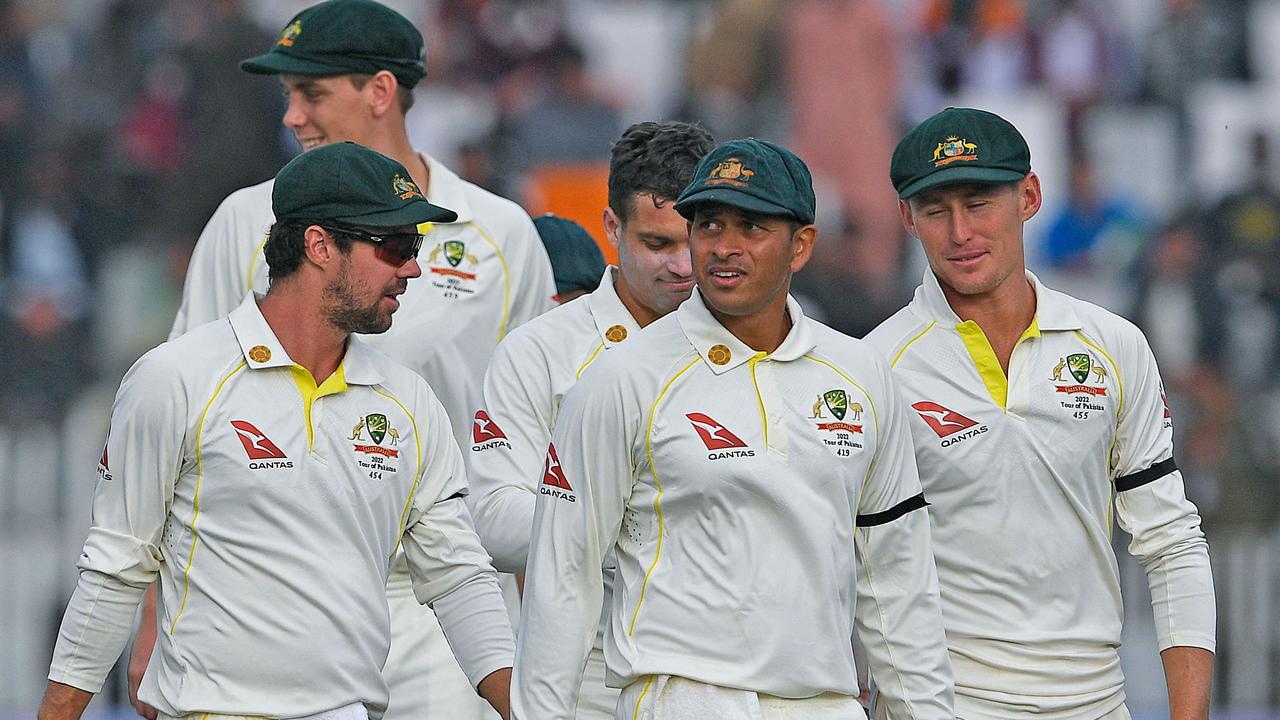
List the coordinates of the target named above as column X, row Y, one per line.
column 411, row 214
column 732, row 198
column 954, row 175
column 276, row 63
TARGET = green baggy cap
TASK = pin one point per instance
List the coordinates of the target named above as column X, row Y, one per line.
column 753, row 175
column 339, row 37
column 959, row 145
column 576, row 260
column 351, row 184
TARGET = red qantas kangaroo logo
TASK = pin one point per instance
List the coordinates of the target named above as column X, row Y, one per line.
column 944, row 421
column 484, row 429
column 256, row 444
column 554, row 476
column 714, row 435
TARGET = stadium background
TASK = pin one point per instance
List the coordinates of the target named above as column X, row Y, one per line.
column 124, row 122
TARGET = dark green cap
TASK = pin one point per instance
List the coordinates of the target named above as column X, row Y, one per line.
column 354, row 185
column 576, row 260
column 753, row 175
column 339, row 37
column 959, row 145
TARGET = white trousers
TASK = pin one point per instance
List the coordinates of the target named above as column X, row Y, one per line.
column 350, row 712
column 667, row 697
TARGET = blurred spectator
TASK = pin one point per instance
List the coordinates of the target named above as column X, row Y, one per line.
column 735, row 83
column 1195, row 42
column 981, row 45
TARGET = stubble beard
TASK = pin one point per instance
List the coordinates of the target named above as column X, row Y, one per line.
column 343, row 312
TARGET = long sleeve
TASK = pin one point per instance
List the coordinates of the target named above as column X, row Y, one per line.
column 221, row 270
column 450, row 569
column 1152, row 507
column 505, row 471
column 588, row 476
column 899, row 612
column 121, row 557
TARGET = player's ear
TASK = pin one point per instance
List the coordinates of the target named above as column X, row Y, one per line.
column 381, row 90
column 1029, row 196
column 802, row 242
column 612, row 226
column 318, row 245
column 908, row 222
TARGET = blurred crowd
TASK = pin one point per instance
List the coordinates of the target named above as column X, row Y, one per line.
column 123, row 124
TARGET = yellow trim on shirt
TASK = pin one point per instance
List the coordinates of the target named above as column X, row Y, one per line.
column 195, row 502
column 643, row 692
column 1116, row 437
column 587, row 364
column 417, row 469
column 506, row 280
column 253, row 262
column 332, row 385
column 984, row 357
column 1114, row 369
column 764, row 417
column 657, row 500
column 898, row 357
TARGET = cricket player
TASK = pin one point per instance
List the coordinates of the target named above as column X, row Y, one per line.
column 266, row 466
column 538, row 363
column 348, row 68
column 751, row 469
column 1032, row 413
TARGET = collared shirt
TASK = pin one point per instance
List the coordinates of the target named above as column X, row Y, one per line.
column 1021, row 472
column 270, row 509
column 482, row 275
column 750, row 498
column 525, row 385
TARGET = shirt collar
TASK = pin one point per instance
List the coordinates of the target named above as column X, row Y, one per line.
column 262, row 349
column 613, row 321
column 1053, row 309
column 446, row 189
column 722, row 351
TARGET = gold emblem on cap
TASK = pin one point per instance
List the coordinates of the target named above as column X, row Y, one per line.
column 259, row 353
column 405, row 188
column 288, row 34
column 616, row 334
column 953, row 149
column 730, row 172
column 719, row 354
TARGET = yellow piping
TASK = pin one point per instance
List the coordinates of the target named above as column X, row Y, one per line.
column 1119, row 409
column 195, row 502
column 875, row 417
column 657, row 500
column 417, row 470
column 253, row 262
column 764, row 418
column 898, row 357
column 640, row 699
column 506, row 280
column 590, row 360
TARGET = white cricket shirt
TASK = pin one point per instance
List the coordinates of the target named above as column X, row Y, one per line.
column 270, row 510
column 482, row 275
column 750, row 499
column 1021, row 473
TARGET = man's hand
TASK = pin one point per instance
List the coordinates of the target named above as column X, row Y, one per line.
column 143, row 643
column 63, row 702
column 1188, row 672
column 496, row 688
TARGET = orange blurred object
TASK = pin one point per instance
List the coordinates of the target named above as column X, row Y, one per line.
column 578, row 192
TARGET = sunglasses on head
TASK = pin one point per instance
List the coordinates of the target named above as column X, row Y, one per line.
column 394, row 248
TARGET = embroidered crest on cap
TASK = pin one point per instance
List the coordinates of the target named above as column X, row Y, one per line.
column 953, row 149
column 290, row 33
column 405, row 188
column 730, row 172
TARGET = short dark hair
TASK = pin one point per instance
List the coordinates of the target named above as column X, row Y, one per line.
column 286, row 246
column 656, row 159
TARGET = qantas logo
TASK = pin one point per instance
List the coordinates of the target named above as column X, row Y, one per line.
column 486, row 434
column 259, row 447
column 946, row 422
column 104, row 468
column 717, row 438
column 554, row 482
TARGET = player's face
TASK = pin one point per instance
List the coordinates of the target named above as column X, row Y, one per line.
column 654, row 276
column 743, row 261
column 325, row 110
column 364, row 292
column 972, row 233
